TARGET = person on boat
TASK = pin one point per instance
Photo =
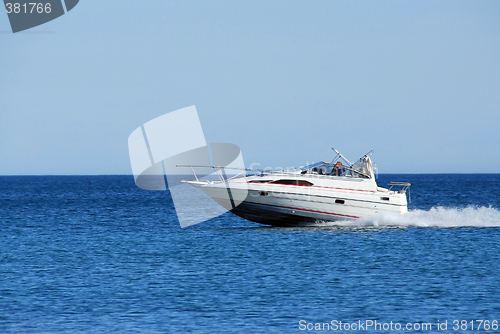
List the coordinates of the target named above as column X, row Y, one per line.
column 321, row 171
column 338, row 170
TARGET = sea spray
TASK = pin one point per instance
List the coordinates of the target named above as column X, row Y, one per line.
column 435, row 217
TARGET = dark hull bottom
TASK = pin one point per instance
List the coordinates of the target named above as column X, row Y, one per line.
column 275, row 216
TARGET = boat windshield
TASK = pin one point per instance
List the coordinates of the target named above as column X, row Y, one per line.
column 360, row 169
column 324, row 168
column 363, row 166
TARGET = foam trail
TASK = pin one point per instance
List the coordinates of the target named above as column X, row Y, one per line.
column 435, row 217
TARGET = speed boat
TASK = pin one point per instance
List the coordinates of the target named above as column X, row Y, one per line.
column 323, row 191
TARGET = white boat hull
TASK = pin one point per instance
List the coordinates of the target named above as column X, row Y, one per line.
column 329, row 199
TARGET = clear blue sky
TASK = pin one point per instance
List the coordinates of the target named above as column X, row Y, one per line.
column 416, row 81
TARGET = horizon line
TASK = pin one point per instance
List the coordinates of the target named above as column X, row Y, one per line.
column 430, row 173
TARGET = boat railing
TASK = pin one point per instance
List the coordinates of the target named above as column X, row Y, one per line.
column 404, row 186
column 220, row 171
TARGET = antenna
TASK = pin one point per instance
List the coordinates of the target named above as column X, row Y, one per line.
column 340, row 155
column 367, row 154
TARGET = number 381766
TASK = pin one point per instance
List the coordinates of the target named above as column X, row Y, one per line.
column 28, row 8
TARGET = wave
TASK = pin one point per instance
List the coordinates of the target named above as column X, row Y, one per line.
column 435, row 217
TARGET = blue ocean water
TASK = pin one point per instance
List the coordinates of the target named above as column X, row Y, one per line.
column 95, row 254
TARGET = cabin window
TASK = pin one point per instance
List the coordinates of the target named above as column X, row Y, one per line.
column 259, row 181
column 339, row 201
column 293, row 182
column 385, row 198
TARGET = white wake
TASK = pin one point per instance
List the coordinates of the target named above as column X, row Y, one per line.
column 435, row 217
